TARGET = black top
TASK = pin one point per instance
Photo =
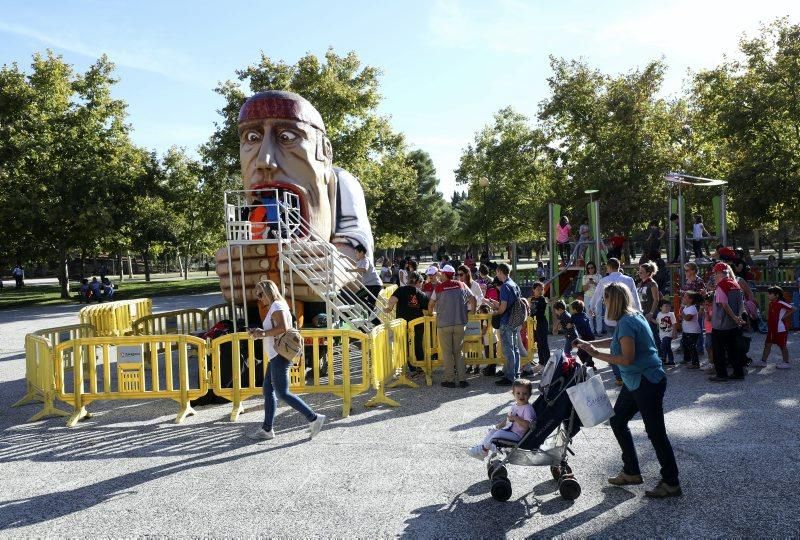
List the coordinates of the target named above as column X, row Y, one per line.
column 410, row 302
column 539, row 308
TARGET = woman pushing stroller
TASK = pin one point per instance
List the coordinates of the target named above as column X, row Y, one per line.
column 633, row 349
column 515, row 425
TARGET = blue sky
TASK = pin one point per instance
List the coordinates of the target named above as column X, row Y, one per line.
column 447, row 65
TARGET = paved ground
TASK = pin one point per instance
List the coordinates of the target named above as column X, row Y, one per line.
column 129, row 471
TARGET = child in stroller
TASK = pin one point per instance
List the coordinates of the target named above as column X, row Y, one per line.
column 515, row 425
column 547, row 439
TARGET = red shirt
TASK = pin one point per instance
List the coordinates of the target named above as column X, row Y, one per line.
column 777, row 311
column 616, row 241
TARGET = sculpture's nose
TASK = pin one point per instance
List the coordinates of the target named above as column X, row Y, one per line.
column 266, row 155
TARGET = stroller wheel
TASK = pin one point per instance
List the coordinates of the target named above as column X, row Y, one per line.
column 501, row 488
column 569, row 488
column 496, row 470
column 555, row 470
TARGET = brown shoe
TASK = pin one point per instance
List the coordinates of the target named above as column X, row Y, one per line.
column 663, row 490
column 623, row 479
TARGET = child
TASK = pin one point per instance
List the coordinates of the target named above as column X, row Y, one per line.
column 705, row 314
column 580, row 321
column 516, row 423
column 539, row 313
column 698, row 232
column 667, row 331
column 84, row 294
column 779, row 312
column 691, row 328
column 565, row 322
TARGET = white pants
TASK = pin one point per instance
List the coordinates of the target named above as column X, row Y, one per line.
column 494, row 433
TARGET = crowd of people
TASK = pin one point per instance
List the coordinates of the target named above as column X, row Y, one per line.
column 96, row 290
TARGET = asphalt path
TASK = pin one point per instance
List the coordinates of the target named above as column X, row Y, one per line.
column 130, row 471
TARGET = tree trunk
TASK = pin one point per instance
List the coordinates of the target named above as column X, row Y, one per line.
column 63, row 274
column 130, row 266
column 180, row 262
column 121, row 269
column 146, row 257
column 188, row 260
column 83, row 262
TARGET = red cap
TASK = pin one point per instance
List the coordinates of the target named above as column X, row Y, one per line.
column 721, row 267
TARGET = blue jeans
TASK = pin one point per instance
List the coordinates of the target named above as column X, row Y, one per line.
column 648, row 400
column 666, row 350
column 276, row 385
column 509, row 338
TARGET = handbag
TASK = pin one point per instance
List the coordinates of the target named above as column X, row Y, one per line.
column 289, row 344
column 591, row 401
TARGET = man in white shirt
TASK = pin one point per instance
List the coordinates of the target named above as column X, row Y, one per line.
column 613, row 276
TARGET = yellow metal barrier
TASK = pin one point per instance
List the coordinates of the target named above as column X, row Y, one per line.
column 39, row 367
column 121, row 374
column 184, row 321
column 389, row 357
column 347, row 354
column 430, row 346
column 39, row 378
column 221, row 312
column 474, row 348
column 383, row 301
column 115, row 318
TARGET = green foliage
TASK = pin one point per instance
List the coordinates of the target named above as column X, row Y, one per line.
column 747, row 125
column 613, row 134
column 433, row 220
column 514, row 158
column 68, row 164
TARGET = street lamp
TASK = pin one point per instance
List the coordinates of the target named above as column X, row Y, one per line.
column 484, row 183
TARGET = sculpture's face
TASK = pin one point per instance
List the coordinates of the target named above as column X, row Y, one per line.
column 285, row 154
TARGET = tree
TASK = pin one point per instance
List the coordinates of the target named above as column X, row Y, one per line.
column 346, row 95
column 433, row 220
column 68, row 163
column 514, row 157
column 747, row 124
column 613, row 134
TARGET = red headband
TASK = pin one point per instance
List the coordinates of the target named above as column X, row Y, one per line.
column 269, row 105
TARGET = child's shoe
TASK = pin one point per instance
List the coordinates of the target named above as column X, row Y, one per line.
column 782, row 365
column 759, row 363
column 478, row 452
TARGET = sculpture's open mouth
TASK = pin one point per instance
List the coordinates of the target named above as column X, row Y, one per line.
column 289, row 196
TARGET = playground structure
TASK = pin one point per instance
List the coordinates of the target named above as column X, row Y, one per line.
column 677, row 205
column 593, row 249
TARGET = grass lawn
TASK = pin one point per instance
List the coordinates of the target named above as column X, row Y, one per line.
column 47, row 295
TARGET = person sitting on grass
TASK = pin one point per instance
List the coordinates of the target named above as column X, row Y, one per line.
column 779, row 314
column 514, row 426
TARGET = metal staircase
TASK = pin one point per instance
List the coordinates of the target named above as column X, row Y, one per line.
column 302, row 254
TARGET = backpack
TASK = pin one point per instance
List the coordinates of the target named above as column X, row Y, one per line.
column 520, row 310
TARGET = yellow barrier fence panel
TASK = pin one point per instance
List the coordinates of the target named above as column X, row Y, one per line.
column 398, row 333
column 486, row 349
column 112, row 368
column 381, row 369
column 39, row 378
column 430, row 346
column 336, row 356
column 183, row 321
column 221, row 312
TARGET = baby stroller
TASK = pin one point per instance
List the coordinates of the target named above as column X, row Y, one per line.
column 547, row 441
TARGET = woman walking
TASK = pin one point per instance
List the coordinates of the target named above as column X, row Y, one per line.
column 276, row 381
column 633, row 349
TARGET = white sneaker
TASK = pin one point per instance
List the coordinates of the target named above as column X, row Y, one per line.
column 261, row 435
column 477, row 452
column 783, row 365
column 759, row 363
column 315, row 426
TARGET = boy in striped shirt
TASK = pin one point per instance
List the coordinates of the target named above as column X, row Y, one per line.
column 780, row 311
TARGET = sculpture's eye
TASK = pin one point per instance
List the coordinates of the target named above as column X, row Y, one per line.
column 286, row 136
column 252, row 136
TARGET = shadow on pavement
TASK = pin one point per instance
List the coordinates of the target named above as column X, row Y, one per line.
column 486, row 517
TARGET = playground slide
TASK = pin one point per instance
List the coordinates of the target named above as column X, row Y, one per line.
column 564, row 277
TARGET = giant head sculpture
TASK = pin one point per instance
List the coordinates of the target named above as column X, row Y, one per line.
column 283, row 144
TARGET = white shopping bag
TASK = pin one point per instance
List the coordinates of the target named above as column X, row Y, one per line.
column 591, row 402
